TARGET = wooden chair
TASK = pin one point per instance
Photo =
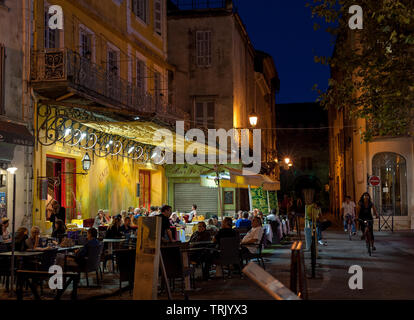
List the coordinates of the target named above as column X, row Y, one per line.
column 229, row 254
column 125, row 259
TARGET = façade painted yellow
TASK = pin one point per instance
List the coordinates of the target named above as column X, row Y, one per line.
column 110, row 183
column 112, row 24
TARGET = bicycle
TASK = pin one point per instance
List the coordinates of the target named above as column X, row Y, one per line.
column 349, row 221
column 367, row 234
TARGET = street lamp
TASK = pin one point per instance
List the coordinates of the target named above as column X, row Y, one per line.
column 12, row 171
column 253, row 119
column 86, row 162
column 287, row 160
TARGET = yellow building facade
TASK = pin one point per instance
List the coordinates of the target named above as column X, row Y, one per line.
column 107, row 64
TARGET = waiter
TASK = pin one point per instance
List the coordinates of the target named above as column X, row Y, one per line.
column 58, row 213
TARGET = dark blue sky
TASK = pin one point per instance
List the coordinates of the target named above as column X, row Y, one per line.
column 284, row 29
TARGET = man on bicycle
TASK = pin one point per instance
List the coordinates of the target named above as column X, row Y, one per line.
column 364, row 214
column 348, row 212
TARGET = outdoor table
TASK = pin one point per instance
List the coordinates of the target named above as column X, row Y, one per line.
column 22, row 253
column 110, row 248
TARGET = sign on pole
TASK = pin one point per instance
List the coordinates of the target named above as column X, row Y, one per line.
column 374, row 181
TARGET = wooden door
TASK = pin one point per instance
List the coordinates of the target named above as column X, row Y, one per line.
column 145, row 189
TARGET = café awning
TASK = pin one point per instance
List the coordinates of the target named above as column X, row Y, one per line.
column 144, row 131
column 236, row 179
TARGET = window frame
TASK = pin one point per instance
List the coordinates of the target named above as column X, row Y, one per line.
column 199, row 48
column 160, row 33
column 139, row 18
column 112, row 48
column 47, row 31
column 208, row 122
column 85, row 30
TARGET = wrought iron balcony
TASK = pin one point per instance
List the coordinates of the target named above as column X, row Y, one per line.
column 63, row 75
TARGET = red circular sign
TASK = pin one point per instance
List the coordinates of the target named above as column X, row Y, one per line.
column 374, row 181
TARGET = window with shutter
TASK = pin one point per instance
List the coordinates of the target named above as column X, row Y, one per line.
column 51, row 36
column 85, row 44
column 157, row 86
column 204, row 114
column 140, row 9
column 140, row 79
column 2, row 75
column 113, row 62
column 203, row 48
column 158, row 16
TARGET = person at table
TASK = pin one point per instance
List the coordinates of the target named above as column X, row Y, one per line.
column 211, row 226
column 175, row 220
column 253, row 237
column 226, row 230
column 201, row 234
column 244, row 222
column 126, row 227
column 79, row 259
column 272, row 216
column 166, row 234
column 107, row 218
column 59, row 231
column 153, row 211
column 99, row 219
column 193, row 213
column 114, row 231
column 58, row 212
column 4, row 231
column 22, row 234
column 137, row 213
column 33, row 241
column 216, row 222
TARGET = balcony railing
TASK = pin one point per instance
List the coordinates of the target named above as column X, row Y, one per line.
column 64, row 65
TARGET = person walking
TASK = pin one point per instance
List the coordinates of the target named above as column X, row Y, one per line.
column 348, row 210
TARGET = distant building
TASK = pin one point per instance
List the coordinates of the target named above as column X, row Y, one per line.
column 303, row 137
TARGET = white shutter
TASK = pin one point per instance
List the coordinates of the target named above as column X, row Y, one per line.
column 187, row 194
column 158, row 16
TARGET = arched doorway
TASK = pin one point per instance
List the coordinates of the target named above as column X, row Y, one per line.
column 390, row 197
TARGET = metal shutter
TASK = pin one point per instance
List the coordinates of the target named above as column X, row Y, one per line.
column 187, row 194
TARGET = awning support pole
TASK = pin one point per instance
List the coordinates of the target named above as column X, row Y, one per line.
column 250, row 198
column 268, row 202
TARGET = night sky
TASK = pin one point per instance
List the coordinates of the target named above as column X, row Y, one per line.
column 284, row 29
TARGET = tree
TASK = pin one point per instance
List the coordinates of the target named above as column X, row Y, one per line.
column 372, row 68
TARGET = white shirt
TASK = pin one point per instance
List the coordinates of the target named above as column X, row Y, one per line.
column 349, row 208
column 271, row 217
column 191, row 215
column 254, row 233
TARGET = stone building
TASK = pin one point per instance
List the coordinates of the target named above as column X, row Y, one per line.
column 16, row 140
column 220, row 79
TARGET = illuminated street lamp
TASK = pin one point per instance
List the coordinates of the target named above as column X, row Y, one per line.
column 287, row 160
column 12, row 171
column 253, row 119
column 86, row 162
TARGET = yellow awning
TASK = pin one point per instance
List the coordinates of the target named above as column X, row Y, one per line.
column 144, row 131
column 238, row 180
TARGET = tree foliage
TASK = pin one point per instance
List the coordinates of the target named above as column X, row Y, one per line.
column 373, row 68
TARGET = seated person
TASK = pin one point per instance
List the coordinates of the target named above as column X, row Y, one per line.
column 60, row 230
column 126, row 227
column 20, row 239
column 175, row 221
column 114, row 231
column 166, row 234
column 216, row 222
column 99, row 220
column 201, row 234
column 272, row 216
column 33, row 241
column 81, row 254
column 226, row 230
column 244, row 222
column 253, row 237
column 211, row 226
column 4, row 232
